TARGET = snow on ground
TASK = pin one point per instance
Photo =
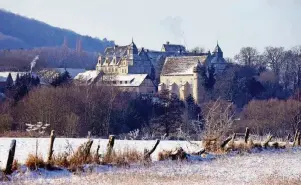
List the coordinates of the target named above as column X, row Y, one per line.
column 267, row 167
column 27, row 146
column 276, row 167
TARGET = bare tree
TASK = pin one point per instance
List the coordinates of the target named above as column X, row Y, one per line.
column 297, row 53
column 218, row 119
column 274, row 56
column 198, row 50
column 248, row 56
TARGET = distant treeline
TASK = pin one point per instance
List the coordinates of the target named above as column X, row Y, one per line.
column 21, row 32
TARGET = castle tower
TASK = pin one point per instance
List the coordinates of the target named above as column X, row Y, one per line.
column 132, row 49
column 218, row 51
column 196, row 82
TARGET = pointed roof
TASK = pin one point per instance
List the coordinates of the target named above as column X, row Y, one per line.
column 217, row 49
column 133, row 47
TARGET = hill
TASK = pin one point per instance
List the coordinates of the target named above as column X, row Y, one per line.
column 21, row 32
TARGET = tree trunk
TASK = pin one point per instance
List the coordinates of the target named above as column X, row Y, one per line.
column 11, row 155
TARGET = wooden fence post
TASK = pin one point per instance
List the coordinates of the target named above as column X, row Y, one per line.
column 147, row 153
column 295, row 137
column 266, row 142
column 110, row 145
column 247, row 134
column 298, row 139
column 11, row 155
column 50, row 152
column 224, row 143
column 87, row 149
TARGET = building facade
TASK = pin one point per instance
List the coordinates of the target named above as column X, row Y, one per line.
column 181, row 75
column 125, row 60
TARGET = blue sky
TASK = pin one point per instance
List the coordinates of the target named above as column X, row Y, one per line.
column 234, row 23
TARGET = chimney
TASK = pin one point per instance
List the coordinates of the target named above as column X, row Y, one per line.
column 167, row 43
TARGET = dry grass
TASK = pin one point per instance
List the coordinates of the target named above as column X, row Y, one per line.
column 177, row 154
column 164, row 155
column 123, row 158
column 60, row 160
column 213, row 146
column 33, row 162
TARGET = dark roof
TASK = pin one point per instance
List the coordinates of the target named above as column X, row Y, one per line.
column 182, row 65
column 217, row 49
column 174, row 48
column 218, row 60
column 118, row 51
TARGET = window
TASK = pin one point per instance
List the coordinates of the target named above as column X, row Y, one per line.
column 114, row 82
column 120, row 82
column 126, row 82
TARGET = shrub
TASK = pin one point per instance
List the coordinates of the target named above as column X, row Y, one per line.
column 5, row 122
column 60, row 160
column 34, row 162
column 123, row 158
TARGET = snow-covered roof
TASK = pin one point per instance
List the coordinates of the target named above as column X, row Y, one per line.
column 87, row 75
column 4, row 75
column 127, row 80
column 182, row 65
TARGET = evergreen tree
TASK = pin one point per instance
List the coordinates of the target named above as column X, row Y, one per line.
column 211, row 78
column 9, row 82
column 17, row 83
column 204, row 79
column 193, row 109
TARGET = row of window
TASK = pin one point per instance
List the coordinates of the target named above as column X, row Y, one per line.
column 115, row 82
column 113, row 70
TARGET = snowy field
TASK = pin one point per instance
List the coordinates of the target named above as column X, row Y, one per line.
column 270, row 168
column 267, row 167
column 27, row 146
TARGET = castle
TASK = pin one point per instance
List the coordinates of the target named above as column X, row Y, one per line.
column 145, row 71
